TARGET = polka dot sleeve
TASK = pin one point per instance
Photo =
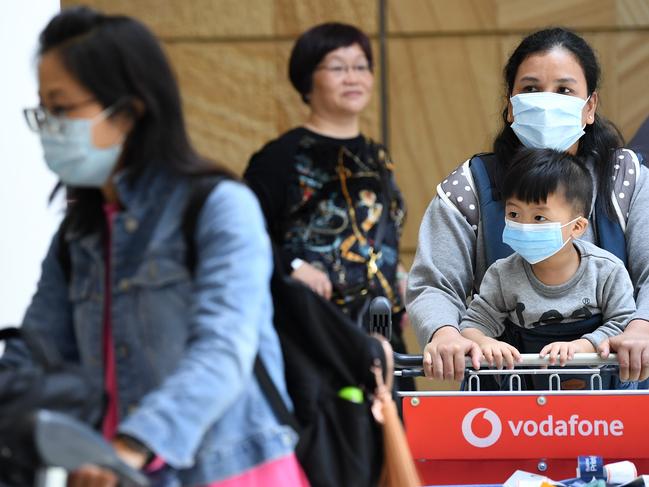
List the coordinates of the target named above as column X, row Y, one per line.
column 458, row 190
column 625, row 178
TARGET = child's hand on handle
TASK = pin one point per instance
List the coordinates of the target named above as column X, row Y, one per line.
column 565, row 351
column 499, row 354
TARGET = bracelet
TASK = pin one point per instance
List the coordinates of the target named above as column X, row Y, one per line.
column 296, row 264
column 401, row 275
column 137, row 446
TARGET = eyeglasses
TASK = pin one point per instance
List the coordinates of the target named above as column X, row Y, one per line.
column 340, row 70
column 40, row 119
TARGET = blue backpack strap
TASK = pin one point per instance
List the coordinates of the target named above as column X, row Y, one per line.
column 492, row 208
column 610, row 235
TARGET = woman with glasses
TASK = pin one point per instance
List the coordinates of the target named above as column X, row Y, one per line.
column 174, row 345
column 328, row 191
column 551, row 81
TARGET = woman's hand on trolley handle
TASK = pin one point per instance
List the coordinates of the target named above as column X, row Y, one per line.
column 444, row 354
column 94, row 476
column 632, row 348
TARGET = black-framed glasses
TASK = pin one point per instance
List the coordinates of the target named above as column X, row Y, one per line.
column 40, row 119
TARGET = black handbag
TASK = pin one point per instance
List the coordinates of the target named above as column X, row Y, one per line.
column 45, row 382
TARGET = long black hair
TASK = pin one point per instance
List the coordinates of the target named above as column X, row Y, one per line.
column 122, row 64
column 600, row 138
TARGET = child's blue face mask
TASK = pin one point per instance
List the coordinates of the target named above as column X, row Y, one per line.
column 547, row 120
column 535, row 241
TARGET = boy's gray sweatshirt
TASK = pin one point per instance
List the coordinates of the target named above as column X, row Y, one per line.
column 510, row 291
column 450, row 261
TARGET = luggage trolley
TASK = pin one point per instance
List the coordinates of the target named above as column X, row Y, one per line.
column 478, row 437
column 482, row 437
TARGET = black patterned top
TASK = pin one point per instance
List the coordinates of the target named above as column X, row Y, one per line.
column 323, row 199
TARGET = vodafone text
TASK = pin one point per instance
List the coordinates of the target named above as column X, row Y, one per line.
column 574, row 426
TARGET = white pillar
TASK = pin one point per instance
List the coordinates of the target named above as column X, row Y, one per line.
column 26, row 221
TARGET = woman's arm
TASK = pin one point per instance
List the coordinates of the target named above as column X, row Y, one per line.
column 632, row 346
column 439, row 282
column 231, row 302
column 636, row 244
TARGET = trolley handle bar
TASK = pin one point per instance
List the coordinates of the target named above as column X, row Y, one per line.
column 402, row 360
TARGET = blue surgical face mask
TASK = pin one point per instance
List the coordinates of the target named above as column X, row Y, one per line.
column 547, row 120
column 72, row 156
column 535, row 241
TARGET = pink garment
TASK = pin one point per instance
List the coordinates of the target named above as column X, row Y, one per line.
column 283, row 472
column 111, row 418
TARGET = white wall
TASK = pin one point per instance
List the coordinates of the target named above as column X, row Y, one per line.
column 26, row 221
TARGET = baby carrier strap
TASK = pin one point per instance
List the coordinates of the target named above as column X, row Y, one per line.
column 609, row 231
column 492, row 206
column 532, row 340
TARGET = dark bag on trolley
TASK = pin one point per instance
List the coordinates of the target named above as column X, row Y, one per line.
column 45, row 383
column 324, row 352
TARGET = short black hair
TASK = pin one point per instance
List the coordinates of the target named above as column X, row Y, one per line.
column 534, row 174
column 314, row 44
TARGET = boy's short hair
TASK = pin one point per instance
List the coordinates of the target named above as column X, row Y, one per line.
column 533, row 174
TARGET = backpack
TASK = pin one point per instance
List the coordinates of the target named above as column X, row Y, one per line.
column 324, row 352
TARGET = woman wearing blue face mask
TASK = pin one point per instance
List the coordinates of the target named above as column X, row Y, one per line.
column 551, row 102
column 174, row 344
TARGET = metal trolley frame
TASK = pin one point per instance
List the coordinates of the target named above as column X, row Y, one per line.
column 482, row 437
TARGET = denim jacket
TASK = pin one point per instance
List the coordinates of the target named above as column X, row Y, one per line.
column 184, row 345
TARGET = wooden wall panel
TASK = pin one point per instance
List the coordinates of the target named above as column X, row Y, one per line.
column 295, row 16
column 577, row 14
column 441, row 16
column 453, row 116
column 632, row 13
column 194, row 18
column 218, row 19
column 631, row 77
column 228, row 95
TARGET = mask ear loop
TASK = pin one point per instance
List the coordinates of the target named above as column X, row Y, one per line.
column 586, row 103
column 108, row 112
column 570, row 237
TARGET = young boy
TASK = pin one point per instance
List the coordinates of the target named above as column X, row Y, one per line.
column 552, row 280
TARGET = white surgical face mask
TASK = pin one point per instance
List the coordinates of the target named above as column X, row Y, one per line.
column 547, row 120
column 73, row 157
column 535, row 241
